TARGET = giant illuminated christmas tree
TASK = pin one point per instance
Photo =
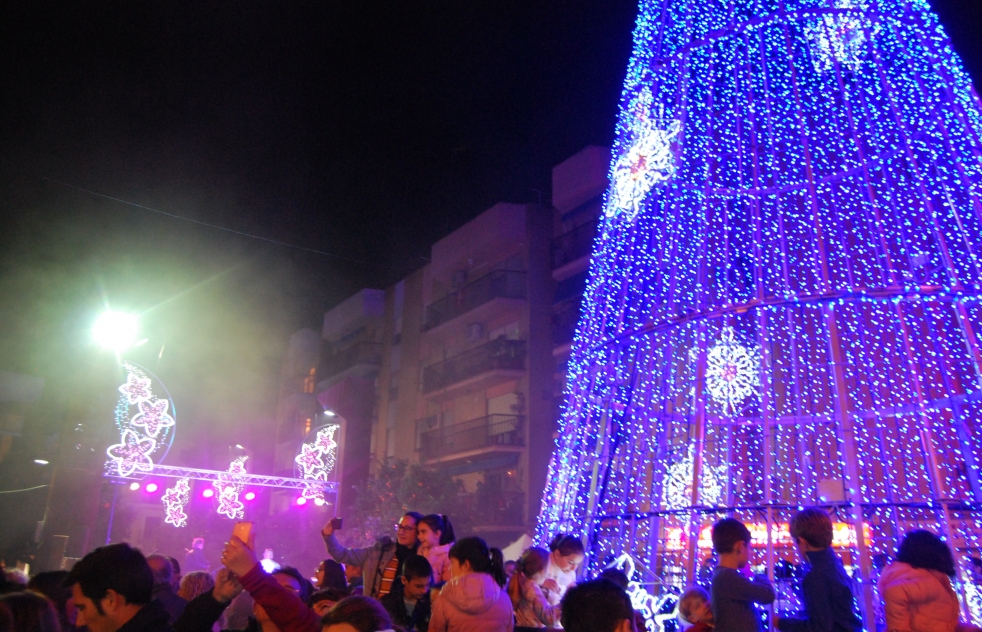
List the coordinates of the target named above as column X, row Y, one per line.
column 784, row 300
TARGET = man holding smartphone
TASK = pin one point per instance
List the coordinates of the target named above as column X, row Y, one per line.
column 382, row 563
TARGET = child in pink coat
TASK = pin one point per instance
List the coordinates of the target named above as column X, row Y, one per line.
column 436, row 535
column 916, row 589
column 474, row 600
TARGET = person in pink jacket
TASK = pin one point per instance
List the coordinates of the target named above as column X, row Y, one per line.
column 474, row 600
column 916, row 589
column 435, row 535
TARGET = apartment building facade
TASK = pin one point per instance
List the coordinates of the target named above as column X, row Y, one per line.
column 460, row 366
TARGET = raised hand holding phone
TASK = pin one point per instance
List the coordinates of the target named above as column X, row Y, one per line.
column 239, row 555
column 227, row 587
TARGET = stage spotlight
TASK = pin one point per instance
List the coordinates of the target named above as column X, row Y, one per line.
column 250, row 495
column 134, row 486
column 115, row 330
column 208, row 493
column 301, row 501
column 319, row 502
column 151, row 487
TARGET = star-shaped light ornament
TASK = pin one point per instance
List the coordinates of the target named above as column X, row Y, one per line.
column 174, row 499
column 648, row 161
column 229, row 489
column 324, row 441
column 310, row 460
column 132, row 453
column 229, row 504
column 153, row 416
column 137, row 387
column 237, row 466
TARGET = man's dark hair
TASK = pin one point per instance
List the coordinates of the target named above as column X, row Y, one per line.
column 923, row 549
column 615, row 575
column 814, row 526
column 115, row 567
column 161, row 568
column 360, row 612
column 174, row 564
column 727, row 532
column 595, row 606
column 306, row 588
column 328, row 594
column 416, row 566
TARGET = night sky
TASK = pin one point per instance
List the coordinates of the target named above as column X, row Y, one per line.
column 362, row 130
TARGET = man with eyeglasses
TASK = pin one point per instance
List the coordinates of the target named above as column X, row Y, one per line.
column 382, row 562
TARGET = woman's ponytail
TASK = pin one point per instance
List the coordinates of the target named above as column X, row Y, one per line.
column 498, row 567
column 441, row 523
column 446, row 534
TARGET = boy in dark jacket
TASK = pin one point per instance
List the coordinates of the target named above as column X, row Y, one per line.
column 829, row 603
column 409, row 604
column 734, row 590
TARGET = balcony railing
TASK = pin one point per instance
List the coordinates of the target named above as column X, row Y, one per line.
column 367, row 353
column 497, row 354
column 496, row 508
column 482, row 432
column 497, row 284
column 573, row 245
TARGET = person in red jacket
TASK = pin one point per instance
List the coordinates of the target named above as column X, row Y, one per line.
column 279, row 600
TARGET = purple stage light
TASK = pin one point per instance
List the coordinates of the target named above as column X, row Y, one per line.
column 151, row 487
column 134, row 486
column 208, row 493
column 301, row 501
column 250, row 496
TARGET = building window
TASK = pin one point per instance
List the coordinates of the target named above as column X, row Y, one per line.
column 306, row 427
column 308, row 382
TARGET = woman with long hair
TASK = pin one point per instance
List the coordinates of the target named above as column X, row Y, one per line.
column 916, row 589
column 32, row 611
column 436, row 535
column 473, row 599
column 566, row 553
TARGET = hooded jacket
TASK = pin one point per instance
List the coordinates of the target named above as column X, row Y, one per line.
column 472, row 603
column 918, row 599
column 439, row 559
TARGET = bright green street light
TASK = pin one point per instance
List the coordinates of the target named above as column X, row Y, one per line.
column 115, row 330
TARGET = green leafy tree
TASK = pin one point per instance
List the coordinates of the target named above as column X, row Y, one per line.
column 398, row 487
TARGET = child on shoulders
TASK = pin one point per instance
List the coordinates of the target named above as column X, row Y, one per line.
column 532, row 609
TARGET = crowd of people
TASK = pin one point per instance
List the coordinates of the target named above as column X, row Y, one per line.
column 425, row 580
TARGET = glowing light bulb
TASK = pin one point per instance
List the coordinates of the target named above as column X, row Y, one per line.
column 115, row 331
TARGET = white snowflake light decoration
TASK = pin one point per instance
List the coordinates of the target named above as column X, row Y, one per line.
column 174, row 499
column 646, row 604
column 317, row 459
column 648, row 161
column 732, row 371
column 229, row 489
column 840, row 37
column 677, row 486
